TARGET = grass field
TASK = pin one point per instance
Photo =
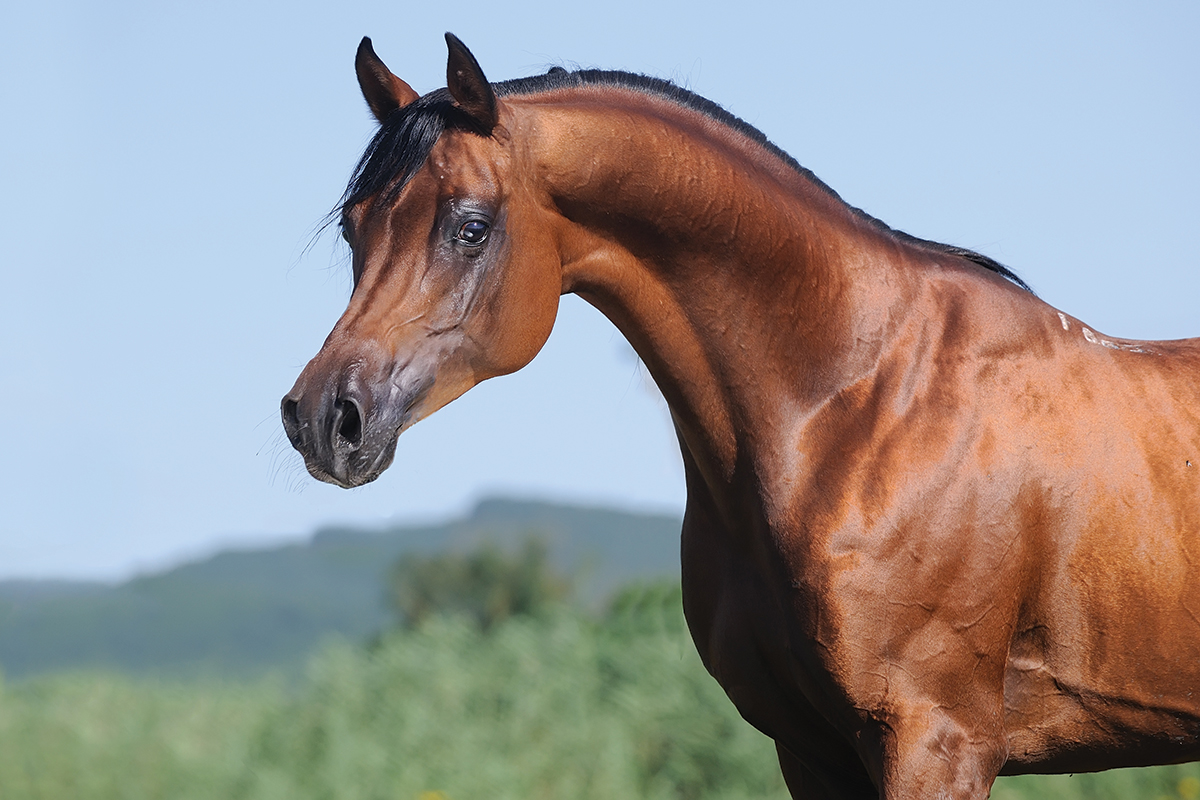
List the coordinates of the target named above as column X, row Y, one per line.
column 556, row 706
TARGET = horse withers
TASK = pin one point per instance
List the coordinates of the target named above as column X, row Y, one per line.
column 936, row 530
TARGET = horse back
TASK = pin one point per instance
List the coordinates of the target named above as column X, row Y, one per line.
column 1104, row 663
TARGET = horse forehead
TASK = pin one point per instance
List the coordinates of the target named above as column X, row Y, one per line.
column 466, row 158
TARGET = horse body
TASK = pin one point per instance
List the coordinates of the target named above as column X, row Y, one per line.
column 936, row 530
column 949, row 572
column 976, row 472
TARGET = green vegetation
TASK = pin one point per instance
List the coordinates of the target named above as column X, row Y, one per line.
column 1181, row 782
column 501, row 680
column 553, row 705
column 102, row 736
column 557, row 704
column 488, row 586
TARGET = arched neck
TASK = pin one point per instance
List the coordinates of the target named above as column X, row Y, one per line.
column 745, row 287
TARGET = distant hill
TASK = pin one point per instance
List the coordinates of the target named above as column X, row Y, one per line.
column 249, row 611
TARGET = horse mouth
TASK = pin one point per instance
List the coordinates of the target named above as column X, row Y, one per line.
column 348, row 475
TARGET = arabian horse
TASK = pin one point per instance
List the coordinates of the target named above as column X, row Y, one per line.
column 936, row 530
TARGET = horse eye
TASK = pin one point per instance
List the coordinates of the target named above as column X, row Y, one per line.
column 473, row 232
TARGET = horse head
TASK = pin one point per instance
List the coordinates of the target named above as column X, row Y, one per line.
column 441, row 298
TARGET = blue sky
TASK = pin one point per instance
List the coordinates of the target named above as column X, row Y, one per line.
column 163, row 167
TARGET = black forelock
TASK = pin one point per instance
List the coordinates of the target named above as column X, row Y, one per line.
column 405, row 139
column 398, row 149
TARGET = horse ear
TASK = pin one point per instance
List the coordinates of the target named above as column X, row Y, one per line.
column 383, row 90
column 469, row 88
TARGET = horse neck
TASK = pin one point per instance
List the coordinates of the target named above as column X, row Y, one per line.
column 749, row 291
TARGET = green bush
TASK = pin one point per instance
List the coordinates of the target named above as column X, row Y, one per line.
column 487, row 585
column 557, row 706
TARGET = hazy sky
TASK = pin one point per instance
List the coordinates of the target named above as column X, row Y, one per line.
column 164, row 165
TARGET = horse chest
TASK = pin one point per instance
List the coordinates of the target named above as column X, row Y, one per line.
column 740, row 602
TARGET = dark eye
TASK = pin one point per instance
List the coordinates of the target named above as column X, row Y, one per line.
column 473, row 232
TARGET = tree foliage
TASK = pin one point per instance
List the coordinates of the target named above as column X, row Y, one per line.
column 487, row 585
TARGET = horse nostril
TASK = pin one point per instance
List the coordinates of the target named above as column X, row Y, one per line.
column 349, row 427
column 291, row 415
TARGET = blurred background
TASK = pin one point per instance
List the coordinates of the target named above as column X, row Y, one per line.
column 170, row 577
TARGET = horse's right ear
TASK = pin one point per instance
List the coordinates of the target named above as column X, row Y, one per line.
column 383, row 90
column 467, row 85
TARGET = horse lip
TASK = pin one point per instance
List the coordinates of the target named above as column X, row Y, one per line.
column 342, row 473
column 327, row 477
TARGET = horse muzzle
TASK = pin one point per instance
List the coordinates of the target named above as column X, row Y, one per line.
column 346, row 427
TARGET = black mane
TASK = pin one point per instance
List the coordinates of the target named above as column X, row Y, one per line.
column 405, row 139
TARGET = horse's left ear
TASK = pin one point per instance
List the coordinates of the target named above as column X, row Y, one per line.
column 468, row 86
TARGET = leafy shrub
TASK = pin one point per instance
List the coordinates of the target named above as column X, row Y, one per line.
column 554, row 706
column 487, row 585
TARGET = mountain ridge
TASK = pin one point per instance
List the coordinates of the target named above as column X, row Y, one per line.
column 248, row 611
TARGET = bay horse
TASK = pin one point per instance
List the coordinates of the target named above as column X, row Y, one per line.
column 936, row 530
